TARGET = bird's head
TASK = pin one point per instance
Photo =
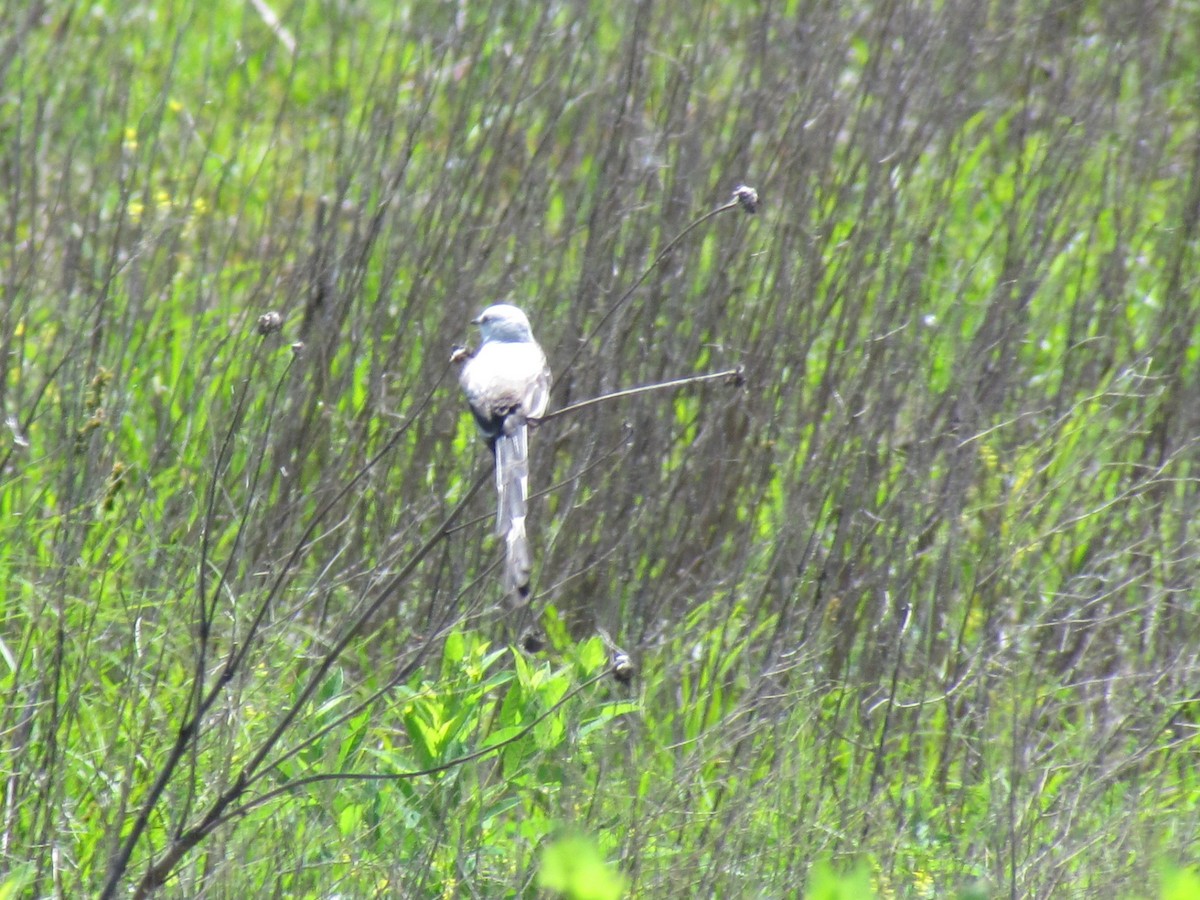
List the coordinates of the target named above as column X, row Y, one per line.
column 503, row 322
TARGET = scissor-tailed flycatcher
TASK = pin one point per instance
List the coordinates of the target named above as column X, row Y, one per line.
column 507, row 382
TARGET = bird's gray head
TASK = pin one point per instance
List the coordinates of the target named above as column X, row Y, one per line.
column 504, row 323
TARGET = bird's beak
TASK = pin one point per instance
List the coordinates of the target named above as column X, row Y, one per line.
column 478, row 320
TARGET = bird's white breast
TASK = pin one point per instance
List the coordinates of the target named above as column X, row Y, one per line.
column 505, row 374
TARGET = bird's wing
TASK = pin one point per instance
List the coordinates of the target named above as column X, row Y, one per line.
column 537, row 394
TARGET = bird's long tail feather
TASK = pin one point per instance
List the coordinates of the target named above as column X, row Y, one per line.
column 512, row 485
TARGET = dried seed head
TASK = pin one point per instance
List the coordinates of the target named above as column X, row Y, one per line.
column 533, row 641
column 269, row 323
column 623, row 668
column 459, row 354
column 116, row 481
column 747, row 198
column 94, row 398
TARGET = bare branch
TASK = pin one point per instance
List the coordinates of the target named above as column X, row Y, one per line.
column 271, row 20
column 731, row 376
column 741, row 198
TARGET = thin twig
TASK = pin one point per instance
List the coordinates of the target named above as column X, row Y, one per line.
column 271, row 20
column 734, row 375
column 738, row 200
column 662, row 254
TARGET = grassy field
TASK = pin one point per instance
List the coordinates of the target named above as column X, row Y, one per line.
column 914, row 604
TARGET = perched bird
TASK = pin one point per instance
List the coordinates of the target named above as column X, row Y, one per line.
column 507, row 383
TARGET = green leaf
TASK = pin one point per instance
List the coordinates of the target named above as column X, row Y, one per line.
column 592, row 656
column 12, row 886
column 350, row 818
column 574, row 868
column 1180, row 884
column 500, row 735
column 607, row 713
column 826, row 884
column 454, row 651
